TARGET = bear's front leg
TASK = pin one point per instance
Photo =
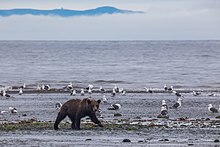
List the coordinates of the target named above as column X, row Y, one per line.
column 95, row 119
column 77, row 123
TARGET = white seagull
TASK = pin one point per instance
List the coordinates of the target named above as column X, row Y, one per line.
column 58, row 106
column 20, row 91
column 82, row 92
column 101, row 89
column 115, row 107
column 73, row 92
column 163, row 111
column 3, row 93
column 13, row 110
column 164, row 104
column 212, row 109
column 177, row 104
column 90, row 90
column 196, row 93
column 69, row 86
column 104, row 99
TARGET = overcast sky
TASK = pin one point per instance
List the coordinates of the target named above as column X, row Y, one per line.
column 162, row 20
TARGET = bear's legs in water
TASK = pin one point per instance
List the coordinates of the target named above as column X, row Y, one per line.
column 60, row 117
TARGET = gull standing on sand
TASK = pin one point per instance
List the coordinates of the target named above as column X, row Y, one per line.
column 195, row 93
column 148, row 90
column 177, row 93
column 101, row 89
column 73, row 92
column 177, row 104
column 3, row 93
column 13, row 110
column 20, row 91
column 69, row 86
column 58, row 106
column 165, row 87
column 82, row 92
column 164, row 104
column 104, row 99
column 212, row 109
column 115, row 107
column 113, row 92
column 90, row 90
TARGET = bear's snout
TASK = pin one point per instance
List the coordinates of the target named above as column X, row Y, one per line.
column 95, row 109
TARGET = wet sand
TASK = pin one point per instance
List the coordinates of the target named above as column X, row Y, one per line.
column 192, row 124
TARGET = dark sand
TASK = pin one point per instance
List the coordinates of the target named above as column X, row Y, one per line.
column 192, row 124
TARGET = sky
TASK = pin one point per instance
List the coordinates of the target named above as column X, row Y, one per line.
column 161, row 20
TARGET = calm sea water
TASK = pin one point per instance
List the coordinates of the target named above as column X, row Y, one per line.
column 131, row 64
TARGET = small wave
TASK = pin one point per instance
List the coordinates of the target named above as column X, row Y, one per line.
column 109, row 81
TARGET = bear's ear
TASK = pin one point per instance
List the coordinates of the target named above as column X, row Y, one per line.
column 99, row 101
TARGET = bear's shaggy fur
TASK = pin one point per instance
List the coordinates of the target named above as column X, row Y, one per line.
column 76, row 109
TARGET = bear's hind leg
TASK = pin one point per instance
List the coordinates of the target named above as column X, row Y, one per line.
column 60, row 117
column 72, row 118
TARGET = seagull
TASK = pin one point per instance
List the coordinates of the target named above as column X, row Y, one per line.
column 13, row 110
column 3, row 112
column 38, row 87
column 73, row 92
column 90, row 91
column 58, row 106
column 89, row 86
column 177, row 104
column 20, row 91
column 82, row 92
column 115, row 107
column 3, row 93
column 104, row 99
column 164, row 104
column 165, row 87
column 148, row 90
column 69, row 86
column 163, row 111
column 177, row 94
column 212, row 109
column 47, row 87
column 170, row 88
column 101, row 89
column 116, row 88
column 196, row 93
column 113, row 92
column 23, row 86
column 123, row 92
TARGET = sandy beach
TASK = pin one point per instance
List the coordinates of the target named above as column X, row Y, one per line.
column 190, row 125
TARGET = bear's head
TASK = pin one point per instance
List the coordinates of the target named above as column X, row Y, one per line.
column 93, row 105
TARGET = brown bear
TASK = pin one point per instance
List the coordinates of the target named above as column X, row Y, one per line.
column 76, row 109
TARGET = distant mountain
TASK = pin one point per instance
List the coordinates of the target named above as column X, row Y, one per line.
column 66, row 13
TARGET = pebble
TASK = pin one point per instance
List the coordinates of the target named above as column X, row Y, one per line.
column 117, row 114
column 89, row 139
column 126, row 140
column 216, row 140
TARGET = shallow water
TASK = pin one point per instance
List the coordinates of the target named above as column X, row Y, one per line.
column 131, row 64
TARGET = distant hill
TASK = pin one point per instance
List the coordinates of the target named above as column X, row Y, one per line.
column 65, row 12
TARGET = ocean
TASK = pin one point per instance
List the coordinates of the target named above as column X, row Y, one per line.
column 129, row 64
